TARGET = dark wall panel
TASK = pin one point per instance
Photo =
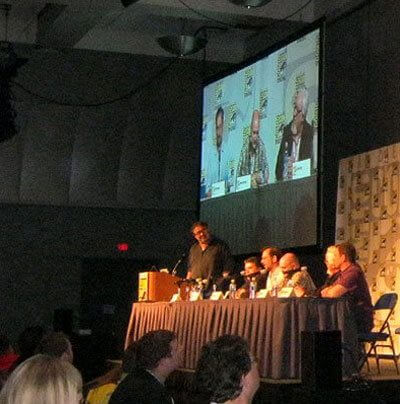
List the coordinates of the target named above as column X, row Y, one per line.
column 96, row 155
column 33, row 287
column 48, row 138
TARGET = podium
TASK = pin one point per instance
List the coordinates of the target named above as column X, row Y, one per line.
column 157, row 286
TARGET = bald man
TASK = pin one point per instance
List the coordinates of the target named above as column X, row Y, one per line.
column 253, row 157
column 296, row 276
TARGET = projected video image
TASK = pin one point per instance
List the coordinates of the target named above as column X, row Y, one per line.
column 260, row 124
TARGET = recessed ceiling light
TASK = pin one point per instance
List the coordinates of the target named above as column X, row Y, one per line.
column 250, row 3
column 182, row 45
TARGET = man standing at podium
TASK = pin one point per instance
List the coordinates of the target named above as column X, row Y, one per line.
column 209, row 257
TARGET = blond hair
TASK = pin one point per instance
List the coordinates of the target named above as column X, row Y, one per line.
column 43, row 379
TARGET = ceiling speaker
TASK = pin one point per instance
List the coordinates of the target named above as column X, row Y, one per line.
column 250, row 3
column 182, row 45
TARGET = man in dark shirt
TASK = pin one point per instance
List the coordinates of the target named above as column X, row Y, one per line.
column 252, row 269
column 153, row 358
column 209, row 257
column 351, row 282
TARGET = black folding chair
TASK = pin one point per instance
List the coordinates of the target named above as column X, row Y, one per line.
column 382, row 338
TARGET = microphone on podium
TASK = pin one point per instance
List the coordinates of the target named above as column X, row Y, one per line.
column 174, row 270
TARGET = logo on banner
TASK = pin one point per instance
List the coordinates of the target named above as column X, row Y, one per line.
column 279, row 125
column 281, row 66
column 248, row 81
column 219, row 92
column 232, row 116
column 300, row 81
column 263, row 103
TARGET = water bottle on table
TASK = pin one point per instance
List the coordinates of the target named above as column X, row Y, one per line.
column 232, row 289
column 253, row 288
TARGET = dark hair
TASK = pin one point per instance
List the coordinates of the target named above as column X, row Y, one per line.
column 4, row 344
column 147, row 352
column 220, row 368
column 54, row 344
column 273, row 251
column 199, row 223
column 220, row 111
column 253, row 260
column 348, row 250
column 28, row 340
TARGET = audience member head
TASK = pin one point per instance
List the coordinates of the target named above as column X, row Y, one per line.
column 56, row 344
column 226, row 371
column 288, row 263
column 251, row 266
column 157, row 351
column 28, row 341
column 43, row 379
column 270, row 257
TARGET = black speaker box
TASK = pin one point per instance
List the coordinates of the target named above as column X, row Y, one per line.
column 321, row 360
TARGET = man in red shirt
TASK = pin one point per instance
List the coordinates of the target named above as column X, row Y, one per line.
column 351, row 282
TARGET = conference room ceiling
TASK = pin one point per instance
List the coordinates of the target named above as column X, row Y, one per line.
column 106, row 25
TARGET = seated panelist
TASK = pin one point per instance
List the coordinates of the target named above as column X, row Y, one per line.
column 332, row 273
column 252, row 269
column 350, row 282
column 296, row 276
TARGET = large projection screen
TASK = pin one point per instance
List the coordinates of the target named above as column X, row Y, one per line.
column 259, row 149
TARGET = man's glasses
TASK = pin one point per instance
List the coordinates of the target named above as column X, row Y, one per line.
column 199, row 233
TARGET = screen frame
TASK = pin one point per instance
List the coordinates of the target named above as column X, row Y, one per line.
column 321, row 25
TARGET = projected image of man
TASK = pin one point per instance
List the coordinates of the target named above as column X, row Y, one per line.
column 216, row 154
column 219, row 133
column 253, row 157
column 297, row 138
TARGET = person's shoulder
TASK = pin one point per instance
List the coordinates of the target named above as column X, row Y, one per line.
column 352, row 272
column 298, row 276
column 308, row 129
column 287, row 131
column 194, row 247
column 304, row 272
column 353, row 269
column 138, row 387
